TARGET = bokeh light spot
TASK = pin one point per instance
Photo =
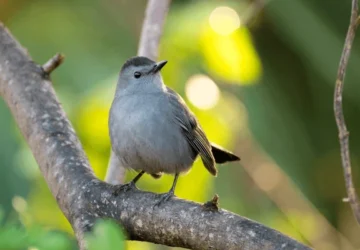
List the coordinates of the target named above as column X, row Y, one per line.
column 19, row 204
column 267, row 177
column 224, row 20
column 202, row 91
column 232, row 58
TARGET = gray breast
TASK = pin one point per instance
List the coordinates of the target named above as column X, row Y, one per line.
column 145, row 136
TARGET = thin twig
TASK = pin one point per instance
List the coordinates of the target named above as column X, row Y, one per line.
column 53, row 63
column 155, row 15
column 339, row 114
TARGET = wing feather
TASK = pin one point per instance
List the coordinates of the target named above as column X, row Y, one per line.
column 192, row 130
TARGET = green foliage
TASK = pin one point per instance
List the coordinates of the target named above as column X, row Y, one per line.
column 15, row 236
column 106, row 235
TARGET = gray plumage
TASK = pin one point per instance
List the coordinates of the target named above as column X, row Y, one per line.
column 152, row 129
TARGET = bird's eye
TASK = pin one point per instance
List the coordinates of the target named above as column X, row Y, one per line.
column 137, row 74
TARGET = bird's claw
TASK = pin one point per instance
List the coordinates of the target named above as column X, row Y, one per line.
column 124, row 188
column 164, row 198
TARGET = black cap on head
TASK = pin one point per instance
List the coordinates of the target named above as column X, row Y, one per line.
column 137, row 61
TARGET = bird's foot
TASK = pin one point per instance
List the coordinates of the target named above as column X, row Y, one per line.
column 164, row 198
column 124, row 188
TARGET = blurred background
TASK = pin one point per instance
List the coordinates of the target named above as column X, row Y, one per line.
column 260, row 80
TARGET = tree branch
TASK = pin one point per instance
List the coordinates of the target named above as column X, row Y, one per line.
column 151, row 32
column 339, row 114
column 28, row 92
column 156, row 12
column 53, row 63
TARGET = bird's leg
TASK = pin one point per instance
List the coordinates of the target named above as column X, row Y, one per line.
column 128, row 186
column 165, row 197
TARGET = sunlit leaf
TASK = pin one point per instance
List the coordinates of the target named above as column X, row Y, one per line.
column 92, row 124
column 233, row 57
column 43, row 209
column 201, row 40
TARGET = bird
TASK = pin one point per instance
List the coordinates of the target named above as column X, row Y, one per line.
column 153, row 131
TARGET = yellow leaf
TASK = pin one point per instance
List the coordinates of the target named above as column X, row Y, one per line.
column 231, row 57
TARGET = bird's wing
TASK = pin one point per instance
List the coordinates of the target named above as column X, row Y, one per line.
column 192, row 130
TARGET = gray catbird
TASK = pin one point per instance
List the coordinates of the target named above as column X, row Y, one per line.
column 151, row 128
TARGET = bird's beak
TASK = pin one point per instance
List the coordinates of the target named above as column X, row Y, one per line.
column 158, row 66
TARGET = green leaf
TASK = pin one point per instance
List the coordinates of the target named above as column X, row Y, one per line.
column 55, row 241
column 106, row 236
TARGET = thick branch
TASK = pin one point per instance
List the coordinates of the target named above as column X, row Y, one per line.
column 115, row 173
column 152, row 28
column 339, row 114
column 151, row 32
column 83, row 198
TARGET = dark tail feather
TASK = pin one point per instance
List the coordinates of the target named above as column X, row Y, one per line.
column 221, row 155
